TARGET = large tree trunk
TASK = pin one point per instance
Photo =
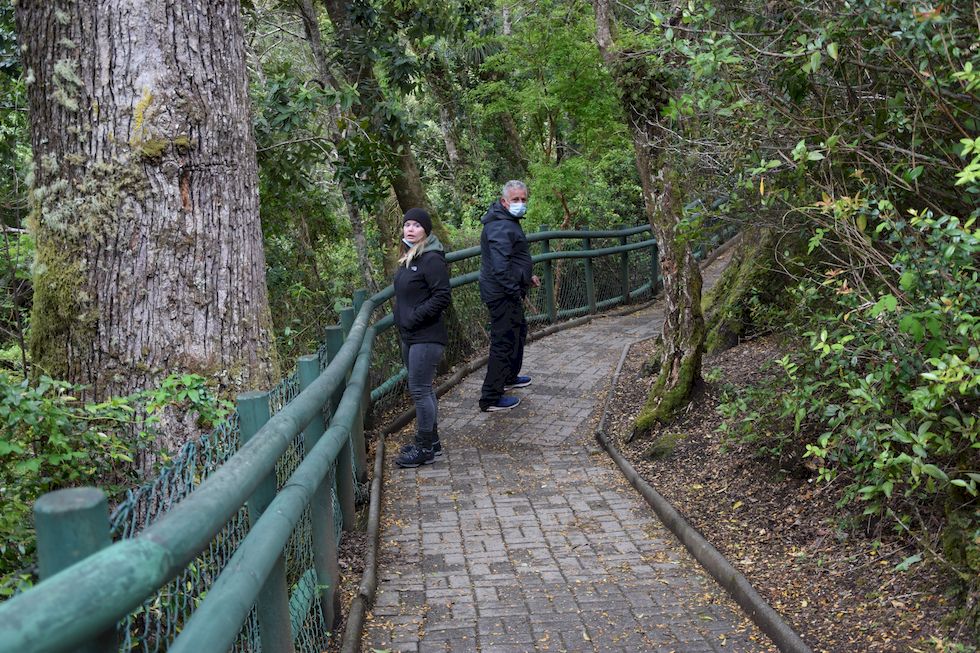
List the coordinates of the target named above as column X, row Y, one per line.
column 683, row 328
column 149, row 248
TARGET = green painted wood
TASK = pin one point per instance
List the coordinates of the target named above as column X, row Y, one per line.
column 360, row 296
column 334, row 339
column 324, row 537
column 470, row 252
column 347, row 320
column 389, row 385
column 589, row 277
column 624, row 268
column 272, row 603
column 345, row 486
column 359, row 448
column 71, row 525
column 86, row 599
column 549, row 280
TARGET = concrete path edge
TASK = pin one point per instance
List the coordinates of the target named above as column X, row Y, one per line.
column 733, row 581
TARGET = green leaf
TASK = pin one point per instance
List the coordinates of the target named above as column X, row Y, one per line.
column 908, row 562
column 907, row 280
column 935, row 472
column 832, row 51
column 913, row 327
column 815, row 60
column 886, row 303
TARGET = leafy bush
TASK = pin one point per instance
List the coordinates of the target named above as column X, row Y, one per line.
column 886, row 395
column 895, row 377
column 51, row 440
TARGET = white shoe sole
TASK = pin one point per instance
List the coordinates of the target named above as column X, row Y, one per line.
column 497, row 409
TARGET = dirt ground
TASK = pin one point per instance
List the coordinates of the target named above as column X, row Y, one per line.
column 834, row 584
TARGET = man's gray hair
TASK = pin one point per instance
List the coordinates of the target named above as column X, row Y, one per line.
column 513, row 184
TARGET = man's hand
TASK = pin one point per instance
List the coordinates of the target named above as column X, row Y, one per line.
column 535, row 281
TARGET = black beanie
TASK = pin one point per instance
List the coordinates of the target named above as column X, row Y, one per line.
column 422, row 217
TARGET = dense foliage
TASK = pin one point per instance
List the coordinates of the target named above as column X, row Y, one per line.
column 50, row 439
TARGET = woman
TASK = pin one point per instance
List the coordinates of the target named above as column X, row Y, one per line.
column 421, row 295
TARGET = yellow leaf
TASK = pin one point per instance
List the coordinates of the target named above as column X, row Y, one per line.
column 586, row 637
column 736, row 505
column 762, row 186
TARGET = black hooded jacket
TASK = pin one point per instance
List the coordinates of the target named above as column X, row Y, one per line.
column 505, row 268
column 422, row 293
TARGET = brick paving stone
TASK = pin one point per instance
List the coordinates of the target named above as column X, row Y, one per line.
column 525, row 537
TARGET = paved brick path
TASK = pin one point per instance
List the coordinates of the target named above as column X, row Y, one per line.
column 525, row 536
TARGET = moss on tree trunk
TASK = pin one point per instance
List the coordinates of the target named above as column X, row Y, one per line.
column 750, row 279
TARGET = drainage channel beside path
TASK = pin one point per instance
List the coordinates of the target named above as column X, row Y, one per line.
column 525, row 536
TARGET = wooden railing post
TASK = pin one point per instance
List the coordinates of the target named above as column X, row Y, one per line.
column 549, row 280
column 347, row 316
column 344, row 469
column 360, row 296
column 624, row 270
column 359, row 451
column 73, row 524
column 272, row 604
column 333, row 336
column 589, row 277
column 321, row 511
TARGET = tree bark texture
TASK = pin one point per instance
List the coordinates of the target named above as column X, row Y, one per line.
column 145, row 202
column 682, row 339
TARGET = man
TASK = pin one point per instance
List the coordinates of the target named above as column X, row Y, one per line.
column 505, row 277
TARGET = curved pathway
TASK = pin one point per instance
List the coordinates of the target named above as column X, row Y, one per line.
column 526, row 537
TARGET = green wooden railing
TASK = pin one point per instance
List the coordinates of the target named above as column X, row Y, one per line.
column 88, row 584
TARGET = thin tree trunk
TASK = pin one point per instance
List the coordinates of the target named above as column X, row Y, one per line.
column 149, row 248
column 449, row 137
column 511, row 134
column 313, row 37
column 683, row 328
column 407, row 183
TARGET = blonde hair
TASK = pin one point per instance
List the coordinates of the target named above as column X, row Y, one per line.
column 413, row 251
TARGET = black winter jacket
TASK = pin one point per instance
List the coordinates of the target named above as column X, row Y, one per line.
column 422, row 293
column 505, row 268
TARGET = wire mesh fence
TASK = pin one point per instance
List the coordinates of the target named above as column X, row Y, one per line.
column 573, row 286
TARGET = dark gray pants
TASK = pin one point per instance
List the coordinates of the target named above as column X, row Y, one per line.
column 508, row 331
column 421, row 360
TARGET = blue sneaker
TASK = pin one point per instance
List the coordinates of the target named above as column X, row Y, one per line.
column 436, row 448
column 415, row 456
column 504, row 403
column 519, row 382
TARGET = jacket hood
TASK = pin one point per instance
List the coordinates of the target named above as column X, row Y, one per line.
column 433, row 244
column 497, row 212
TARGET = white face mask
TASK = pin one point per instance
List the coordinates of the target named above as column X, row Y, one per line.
column 517, row 209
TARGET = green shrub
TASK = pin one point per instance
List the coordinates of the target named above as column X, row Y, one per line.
column 885, row 395
column 51, row 440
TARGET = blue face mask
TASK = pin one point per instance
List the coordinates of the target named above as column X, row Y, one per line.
column 410, row 245
column 517, row 209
